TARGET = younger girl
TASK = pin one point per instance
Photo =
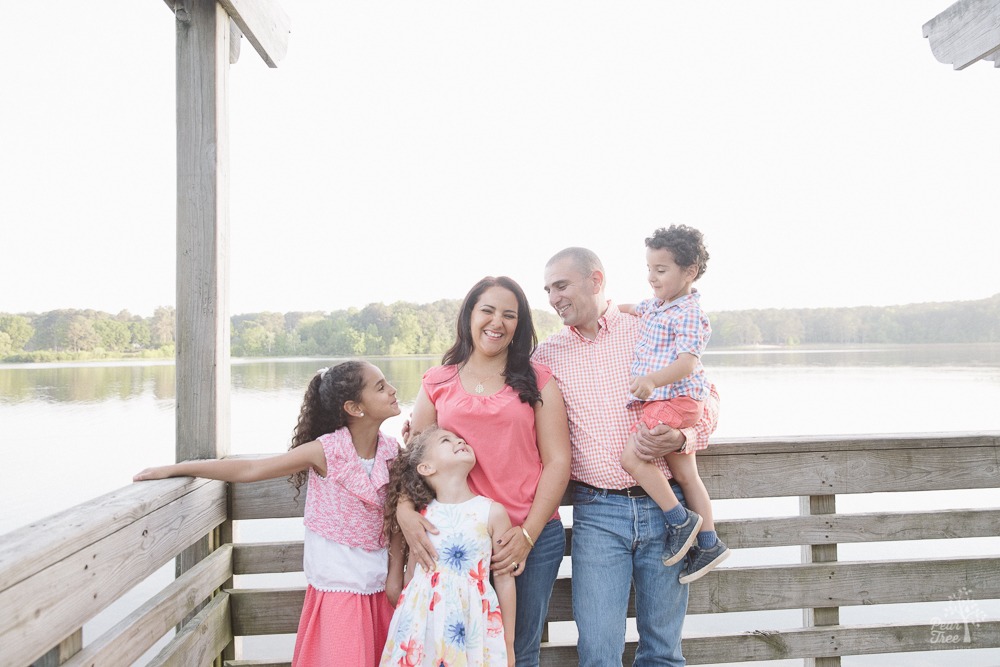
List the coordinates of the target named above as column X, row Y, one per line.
column 451, row 615
column 338, row 446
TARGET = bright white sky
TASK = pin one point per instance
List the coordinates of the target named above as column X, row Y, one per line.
column 403, row 150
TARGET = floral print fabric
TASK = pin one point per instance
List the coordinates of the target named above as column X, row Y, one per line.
column 451, row 617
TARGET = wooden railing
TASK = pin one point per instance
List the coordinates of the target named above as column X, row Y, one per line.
column 60, row 572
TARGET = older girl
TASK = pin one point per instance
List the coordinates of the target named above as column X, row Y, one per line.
column 339, row 447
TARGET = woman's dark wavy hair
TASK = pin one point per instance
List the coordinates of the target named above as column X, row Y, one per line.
column 686, row 244
column 405, row 482
column 518, row 374
column 323, row 405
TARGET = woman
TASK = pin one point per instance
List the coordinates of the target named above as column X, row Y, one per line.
column 511, row 412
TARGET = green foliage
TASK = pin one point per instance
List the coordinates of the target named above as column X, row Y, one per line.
column 114, row 335
column 18, row 332
column 161, row 326
column 950, row 322
column 403, row 328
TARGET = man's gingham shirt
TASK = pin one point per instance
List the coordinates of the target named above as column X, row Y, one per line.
column 593, row 376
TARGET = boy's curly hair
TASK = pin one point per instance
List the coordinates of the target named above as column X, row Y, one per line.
column 405, row 483
column 686, row 244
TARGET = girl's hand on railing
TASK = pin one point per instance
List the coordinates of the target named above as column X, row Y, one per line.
column 158, row 472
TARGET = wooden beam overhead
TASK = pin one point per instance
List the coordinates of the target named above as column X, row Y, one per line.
column 263, row 22
column 965, row 33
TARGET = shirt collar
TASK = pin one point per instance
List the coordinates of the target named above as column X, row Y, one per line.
column 608, row 321
column 663, row 305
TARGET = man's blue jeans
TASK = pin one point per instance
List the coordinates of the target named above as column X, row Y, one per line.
column 618, row 542
column 534, row 588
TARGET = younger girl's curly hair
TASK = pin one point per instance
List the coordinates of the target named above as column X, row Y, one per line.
column 323, row 405
column 405, row 483
column 686, row 244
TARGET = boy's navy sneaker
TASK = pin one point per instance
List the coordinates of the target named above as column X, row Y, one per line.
column 702, row 561
column 680, row 537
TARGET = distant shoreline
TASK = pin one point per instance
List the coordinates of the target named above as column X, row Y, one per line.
column 721, row 352
column 402, row 329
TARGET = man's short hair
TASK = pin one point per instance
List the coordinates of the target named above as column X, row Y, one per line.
column 586, row 261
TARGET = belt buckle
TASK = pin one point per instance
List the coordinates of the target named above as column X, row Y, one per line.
column 628, row 492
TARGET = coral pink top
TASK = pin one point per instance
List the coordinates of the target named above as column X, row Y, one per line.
column 346, row 506
column 500, row 429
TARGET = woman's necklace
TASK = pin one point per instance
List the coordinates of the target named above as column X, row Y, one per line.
column 479, row 388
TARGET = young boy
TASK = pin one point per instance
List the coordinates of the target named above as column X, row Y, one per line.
column 668, row 377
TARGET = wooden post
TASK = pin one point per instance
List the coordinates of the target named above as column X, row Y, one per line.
column 203, row 372
column 820, row 553
column 66, row 649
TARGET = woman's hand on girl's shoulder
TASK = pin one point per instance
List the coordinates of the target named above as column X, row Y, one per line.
column 415, row 527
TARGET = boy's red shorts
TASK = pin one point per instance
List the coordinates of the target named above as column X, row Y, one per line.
column 680, row 412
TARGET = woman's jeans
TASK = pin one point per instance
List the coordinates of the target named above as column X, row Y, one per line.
column 617, row 542
column 534, row 588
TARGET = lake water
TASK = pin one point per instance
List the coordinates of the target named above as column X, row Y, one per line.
column 70, row 432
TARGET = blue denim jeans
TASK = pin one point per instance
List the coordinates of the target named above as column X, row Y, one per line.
column 618, row 544
column 534, row 588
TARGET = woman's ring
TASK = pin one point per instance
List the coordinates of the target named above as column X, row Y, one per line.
column 516, row 566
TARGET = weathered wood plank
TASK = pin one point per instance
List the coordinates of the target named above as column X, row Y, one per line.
column 965, row 32
column 202, row 336
column 839, row 584
column 265, row 25
column 276, row 611
column 45, row 607
column 844, row 584
column 266, row 557
column 201, row 640
column 851, row 465
column 235, row 37
column 61, row 653
column 266, row 611
column 851, row 443
column 828, row 642
column 270, row 499
column 28, row 550
column 836, row 472
column 820, row 553
column 852, row 528
column 125, row 643
column 203, row 375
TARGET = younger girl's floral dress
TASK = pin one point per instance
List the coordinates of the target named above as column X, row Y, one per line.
column 451, row 616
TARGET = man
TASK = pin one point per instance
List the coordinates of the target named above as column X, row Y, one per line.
column 618, row 531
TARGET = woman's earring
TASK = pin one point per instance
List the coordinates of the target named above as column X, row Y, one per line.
column 361, row 414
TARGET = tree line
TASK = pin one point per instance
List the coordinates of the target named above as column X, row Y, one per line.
column 946, row 322
column 377, row 329
column 404, row 328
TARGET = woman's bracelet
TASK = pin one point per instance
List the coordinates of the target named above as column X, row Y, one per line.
column 528, row 537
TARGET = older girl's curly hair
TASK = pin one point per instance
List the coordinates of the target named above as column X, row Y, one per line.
column 686, row 244
column 405, row 483
column 323, row 405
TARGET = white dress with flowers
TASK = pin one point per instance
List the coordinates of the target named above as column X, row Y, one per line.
column 451, row 616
